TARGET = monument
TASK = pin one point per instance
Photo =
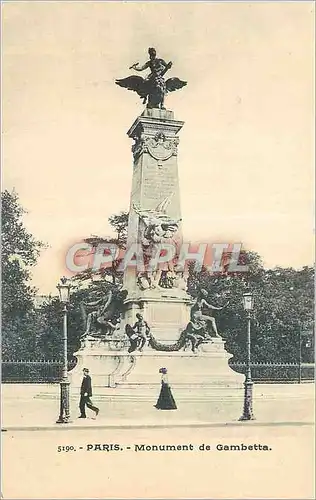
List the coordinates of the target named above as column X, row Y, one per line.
column 153, row 322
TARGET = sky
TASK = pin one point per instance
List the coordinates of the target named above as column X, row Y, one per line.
column 246, row 152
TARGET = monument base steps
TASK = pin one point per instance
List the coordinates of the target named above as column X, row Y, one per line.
column 194, row 375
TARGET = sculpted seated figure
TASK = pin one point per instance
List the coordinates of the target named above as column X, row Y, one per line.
column 202, row 310
column 196, row 333
column 138, row 334
column 104, row 318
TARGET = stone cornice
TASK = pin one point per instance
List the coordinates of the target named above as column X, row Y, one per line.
column 150, row 126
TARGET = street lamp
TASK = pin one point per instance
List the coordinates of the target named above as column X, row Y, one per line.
column 248, row 384
column 64, row 295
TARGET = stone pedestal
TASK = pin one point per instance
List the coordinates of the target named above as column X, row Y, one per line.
column 111, row 366
column 166, row 315
column 106, row 362
column 207, row 368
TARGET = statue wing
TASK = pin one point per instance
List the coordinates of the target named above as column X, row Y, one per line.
column 174, row 84
column 162, row 207
column 144, row 214
column 135, row 83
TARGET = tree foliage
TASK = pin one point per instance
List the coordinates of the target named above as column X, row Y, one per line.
column 119, row 223
column 109, row 272
column 283, row 310
column 20, row 251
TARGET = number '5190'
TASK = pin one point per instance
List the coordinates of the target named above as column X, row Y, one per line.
column 66, row 448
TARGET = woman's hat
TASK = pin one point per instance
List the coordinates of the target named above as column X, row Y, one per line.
column 163, row 370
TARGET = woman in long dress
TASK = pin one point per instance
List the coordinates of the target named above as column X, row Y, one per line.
column 165, row 400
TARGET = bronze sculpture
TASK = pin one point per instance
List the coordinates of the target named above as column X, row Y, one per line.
column 153, row 88
column 198, row 331
column 200, row 308
column 138, row 334
column 104, row 316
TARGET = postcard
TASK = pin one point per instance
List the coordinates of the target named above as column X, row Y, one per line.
column 157, row 250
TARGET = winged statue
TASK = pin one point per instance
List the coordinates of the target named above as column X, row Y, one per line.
column 154, row 88
column 158, row 225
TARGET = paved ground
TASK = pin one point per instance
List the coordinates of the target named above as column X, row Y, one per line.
column 38, row 407
column 40, row 461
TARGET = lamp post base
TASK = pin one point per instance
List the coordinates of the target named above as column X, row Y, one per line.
column 64, row 414
column 248, row 412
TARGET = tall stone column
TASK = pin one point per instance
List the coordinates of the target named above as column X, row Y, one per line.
column 155, row 186
column 118, row 357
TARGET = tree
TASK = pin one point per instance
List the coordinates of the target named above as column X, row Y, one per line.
column 49, row 326
column 119, row 223
column 20, row 251
column 284, row 310
column 111, row 271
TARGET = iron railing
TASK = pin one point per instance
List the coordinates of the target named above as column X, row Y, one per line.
column 278, row 372
column 50, row 371
column 42, row 371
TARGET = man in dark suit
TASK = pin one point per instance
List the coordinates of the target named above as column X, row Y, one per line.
column 86, row 394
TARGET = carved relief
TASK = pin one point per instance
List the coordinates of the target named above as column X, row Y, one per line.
column 158, row 226
column 139, row 146
column 159, row 147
